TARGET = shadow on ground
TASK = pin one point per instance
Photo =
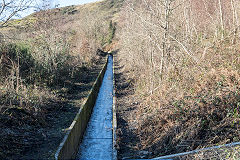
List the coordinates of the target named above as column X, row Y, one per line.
column 126, row 136
column 25, row 136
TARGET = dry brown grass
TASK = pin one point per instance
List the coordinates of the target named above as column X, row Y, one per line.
column 48, row 62
column 180, row 121
column 193, row 102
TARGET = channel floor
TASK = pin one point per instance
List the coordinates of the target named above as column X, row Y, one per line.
column 97, row 141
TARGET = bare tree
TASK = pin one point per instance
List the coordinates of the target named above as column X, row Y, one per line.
column 235, row 19
column 221, row 18
column 11, row 8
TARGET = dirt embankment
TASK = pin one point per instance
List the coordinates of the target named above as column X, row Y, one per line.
column 209, row 118
column 127, row 105
column 27, row 134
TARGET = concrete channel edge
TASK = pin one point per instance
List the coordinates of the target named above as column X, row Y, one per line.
column 114, row 122
column 68, row 148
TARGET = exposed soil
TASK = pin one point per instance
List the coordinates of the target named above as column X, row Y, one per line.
column 127, row 139
column 208, row 122
column 26, row 135
column 208, row 118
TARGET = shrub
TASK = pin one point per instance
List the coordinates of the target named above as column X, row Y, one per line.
column 16, row 55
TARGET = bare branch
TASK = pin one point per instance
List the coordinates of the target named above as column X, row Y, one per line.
column 9, row 9
column 3, row 7
column 184, row 48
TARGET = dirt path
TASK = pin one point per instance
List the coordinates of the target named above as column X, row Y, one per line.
column 128, row 140
column 25, row 136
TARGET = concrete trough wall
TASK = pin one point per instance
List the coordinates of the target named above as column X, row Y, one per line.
column 114, row 122
column 69, row 147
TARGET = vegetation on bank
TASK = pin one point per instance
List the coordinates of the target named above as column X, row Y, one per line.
column 45, row 59
column 183, row 60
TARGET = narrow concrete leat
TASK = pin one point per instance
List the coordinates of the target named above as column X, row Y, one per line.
column 97, row 140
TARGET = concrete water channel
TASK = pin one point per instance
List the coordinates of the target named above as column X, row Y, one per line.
column 97, row 143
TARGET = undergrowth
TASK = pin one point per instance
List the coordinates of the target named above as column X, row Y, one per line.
column 188, row 82
column 47, row 62
column 208, row 116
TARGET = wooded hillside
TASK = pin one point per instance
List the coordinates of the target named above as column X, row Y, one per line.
column 183, row 60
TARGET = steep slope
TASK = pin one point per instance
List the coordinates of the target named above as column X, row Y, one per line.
column 48, row 64
column 181, row 66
